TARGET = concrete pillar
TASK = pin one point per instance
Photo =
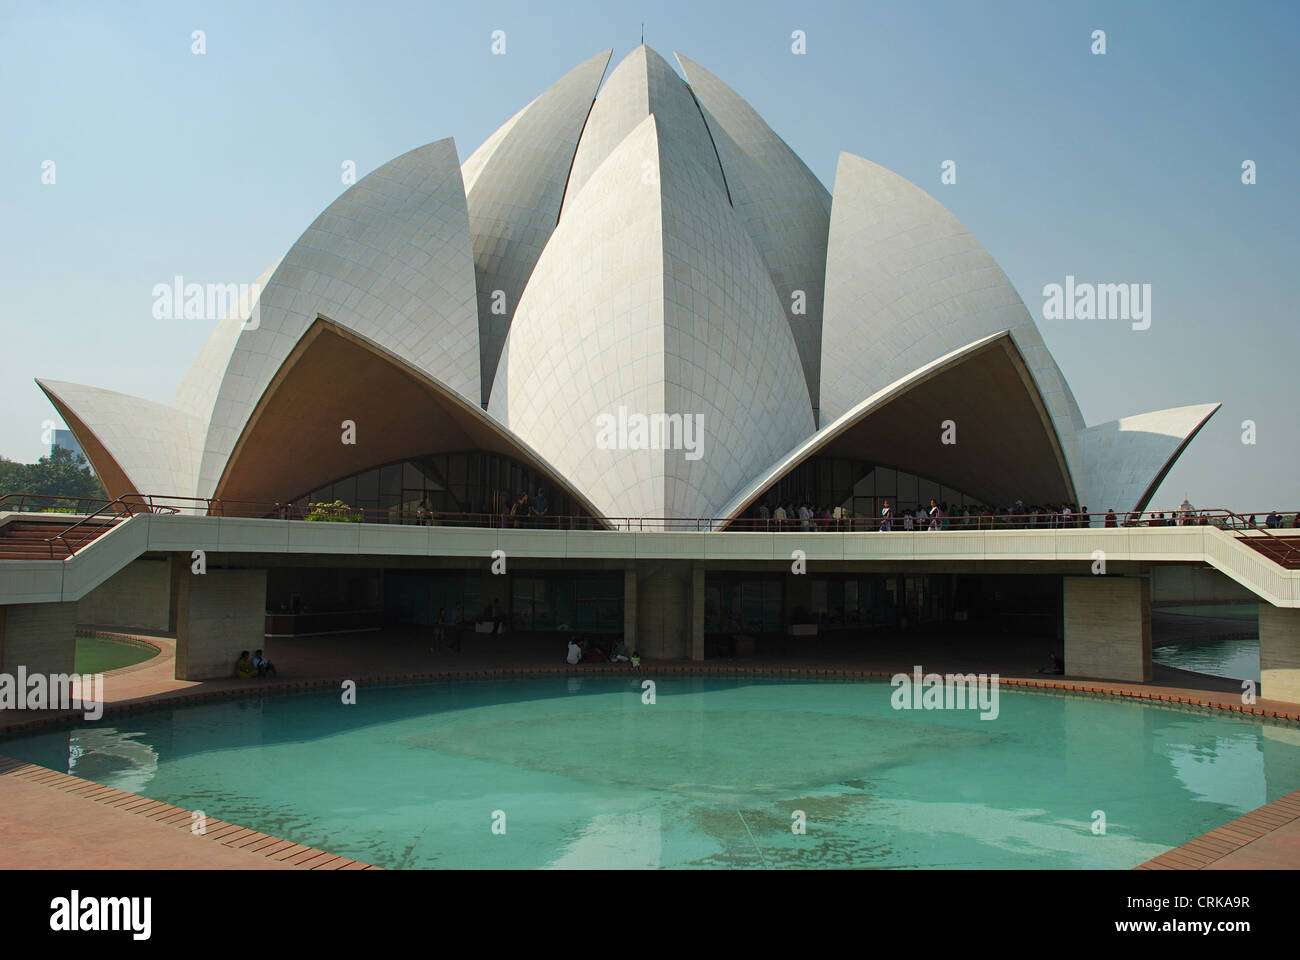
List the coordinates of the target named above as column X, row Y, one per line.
column 40, row 636
column 218, row 614
column 664, row 609
column 697, row 611
column 629, row 609
column 1279, row 653
column 1107, row 624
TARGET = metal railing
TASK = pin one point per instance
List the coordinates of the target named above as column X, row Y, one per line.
column 1281, row 546
column 24, row 502
column 122, row 508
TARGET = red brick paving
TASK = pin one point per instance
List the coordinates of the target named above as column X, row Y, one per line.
column 50, row 819
column 1264, row 839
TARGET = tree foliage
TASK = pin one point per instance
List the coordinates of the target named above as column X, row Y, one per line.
column 63, row 473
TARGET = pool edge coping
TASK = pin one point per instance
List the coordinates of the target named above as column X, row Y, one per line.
column 265, row 845
column 1207, row 849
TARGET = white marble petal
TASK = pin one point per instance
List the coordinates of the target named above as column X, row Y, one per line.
column 785, row 209
column 155, row 445
column 514, row 184
column 906, row 282
column 650, row 297
column 390, row 259
column 643, row 84
column 198, row 391
column 1121, row 462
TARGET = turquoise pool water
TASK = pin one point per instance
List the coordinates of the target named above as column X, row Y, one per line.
column 1234, row 657
column 1230, row 611
column 587, row 775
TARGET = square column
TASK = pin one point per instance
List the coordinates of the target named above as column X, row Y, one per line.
column 218, row 614
column 697, row 611
column 629, row 609
column 664, row 609
column 1279, row 653
column 1107, row 625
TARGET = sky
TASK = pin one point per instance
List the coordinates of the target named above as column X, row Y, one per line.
column 1122, row 167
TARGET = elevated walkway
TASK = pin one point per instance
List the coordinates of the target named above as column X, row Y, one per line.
column 1105, row 620
column 1247, row 558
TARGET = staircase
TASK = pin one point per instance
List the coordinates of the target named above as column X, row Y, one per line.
column 1282, row 550
column 25, row 539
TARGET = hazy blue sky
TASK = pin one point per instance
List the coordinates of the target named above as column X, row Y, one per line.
column 1117, row 168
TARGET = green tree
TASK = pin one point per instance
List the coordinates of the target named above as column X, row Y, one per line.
column 63, row 473
column 11, row 475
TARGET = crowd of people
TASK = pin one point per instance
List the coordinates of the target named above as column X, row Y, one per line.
column 940, row 516
column 788, row 518
column 806, row 517
column 1276, row 521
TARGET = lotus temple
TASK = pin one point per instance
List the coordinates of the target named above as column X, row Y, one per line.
column 629, row 369
column 605, row 481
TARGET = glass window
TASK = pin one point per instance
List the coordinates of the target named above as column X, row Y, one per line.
column 565, row 600
column 611, row 614
column 457, row 470
column 412, row 478
column 522, row 603
column 772, row 606
column 368, row 488
column 818, row 598
column 751, row 605
column 544, row 606
column 346, row 490
column 843, row 477
column 731, row 606
column 712, row 608
column 835, row 602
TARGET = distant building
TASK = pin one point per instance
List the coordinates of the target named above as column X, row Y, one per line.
column 66, row 440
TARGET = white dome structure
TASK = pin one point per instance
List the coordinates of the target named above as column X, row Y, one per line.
column 646, row 252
